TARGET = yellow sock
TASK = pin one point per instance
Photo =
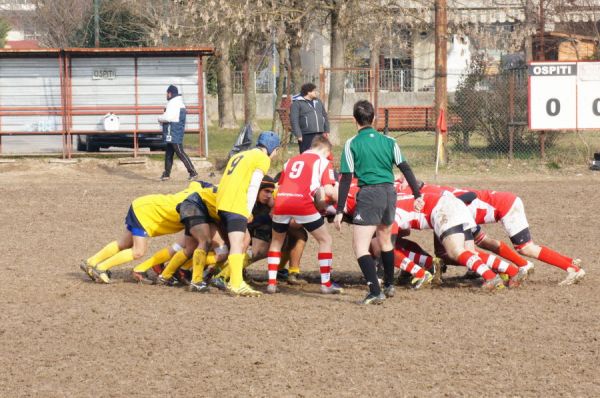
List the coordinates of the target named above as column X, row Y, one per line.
column 236, row 263
column 199, row 263
column 122, row 257
column 211, row 258
column 225, row 272
column 294, row 270
column 177, row 261
column 159, row 257
column 188, row 264
column 107, row 251
column 247, row 261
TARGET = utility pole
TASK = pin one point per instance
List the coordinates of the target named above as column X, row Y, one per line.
column 441, row 73
column 542, row 57
column 96, row 23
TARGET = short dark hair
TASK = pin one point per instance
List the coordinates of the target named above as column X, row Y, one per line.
column 307, row 88
column 321, row 141
column 364, row 113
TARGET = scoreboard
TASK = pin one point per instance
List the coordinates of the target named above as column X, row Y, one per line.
column 564, row 95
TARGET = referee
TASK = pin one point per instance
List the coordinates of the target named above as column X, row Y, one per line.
column 371, row 156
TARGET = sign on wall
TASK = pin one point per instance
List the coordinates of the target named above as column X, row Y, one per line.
column 564, row 95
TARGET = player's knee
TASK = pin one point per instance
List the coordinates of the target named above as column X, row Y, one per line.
column 138, row 253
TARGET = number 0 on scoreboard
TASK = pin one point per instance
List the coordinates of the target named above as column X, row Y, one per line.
column 564, row 95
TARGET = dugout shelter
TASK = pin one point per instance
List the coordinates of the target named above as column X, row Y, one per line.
column 68, row 92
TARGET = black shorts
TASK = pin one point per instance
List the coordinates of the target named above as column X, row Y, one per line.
column 262, row 232
column 310, row 226
column 375, row 205
column 192, row 211
column 233, row 222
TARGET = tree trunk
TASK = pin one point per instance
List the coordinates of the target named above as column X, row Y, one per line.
column 280, row 79
column 336, row 85
column 295, row 63
column 224, row 85
column 250, row 85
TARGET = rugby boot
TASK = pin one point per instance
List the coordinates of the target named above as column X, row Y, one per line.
column 373, row 299
column 161, row 280
column 296, row 279
column 333, row 289
column 219, row 283
column 201, row 287
column 493, row 284
column 518, row 279
column 425, row 280
column 389, row 291
column 85, row 267
column 530, row 268
column 244, row 290
column 272, row 289
column 142, row 277
column 101, row 276
column 573, row 276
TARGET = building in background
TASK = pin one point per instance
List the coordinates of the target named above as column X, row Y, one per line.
column 23, row 33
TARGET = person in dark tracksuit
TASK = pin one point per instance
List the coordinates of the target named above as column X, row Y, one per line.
column 173, row 127
column 308, row 116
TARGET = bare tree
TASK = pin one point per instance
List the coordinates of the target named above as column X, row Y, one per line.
column 65, row 22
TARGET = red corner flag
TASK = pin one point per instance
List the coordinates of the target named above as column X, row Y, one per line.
column 441, row 124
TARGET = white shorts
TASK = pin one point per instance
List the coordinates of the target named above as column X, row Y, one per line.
column 285, row 219
column 450, row 212
column 515, row 220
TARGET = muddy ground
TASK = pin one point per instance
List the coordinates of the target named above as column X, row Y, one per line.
column 61, row 335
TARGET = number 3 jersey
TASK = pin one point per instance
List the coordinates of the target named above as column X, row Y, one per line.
column 302, row 176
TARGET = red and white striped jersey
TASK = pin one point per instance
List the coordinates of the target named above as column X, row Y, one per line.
column 302, row 176
column 408, row 218
column 491, row 206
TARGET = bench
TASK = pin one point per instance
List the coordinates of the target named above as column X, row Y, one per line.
column 408, row 118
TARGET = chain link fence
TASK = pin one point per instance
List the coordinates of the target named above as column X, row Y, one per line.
column 487, row 118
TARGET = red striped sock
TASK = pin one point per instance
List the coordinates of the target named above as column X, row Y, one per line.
column 497, row 264
column 474, row 263
column 325, row 260
column 273, row 259
column 505, row 251
column 549, row 256
column 405, row 264
column 418, row 258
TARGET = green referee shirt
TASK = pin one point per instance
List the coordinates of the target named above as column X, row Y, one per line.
column 371, row 155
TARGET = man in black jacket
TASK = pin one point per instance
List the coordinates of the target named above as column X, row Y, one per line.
column 308, row 116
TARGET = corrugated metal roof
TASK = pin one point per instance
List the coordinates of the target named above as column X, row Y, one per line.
column 112, row 52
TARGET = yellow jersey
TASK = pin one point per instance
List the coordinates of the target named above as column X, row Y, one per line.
column 158, row 213
column 232, row 195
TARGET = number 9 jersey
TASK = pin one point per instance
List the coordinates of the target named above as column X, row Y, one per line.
column 302, row 176
column 232, row 194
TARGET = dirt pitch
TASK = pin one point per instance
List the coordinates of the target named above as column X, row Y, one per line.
column 61, row 335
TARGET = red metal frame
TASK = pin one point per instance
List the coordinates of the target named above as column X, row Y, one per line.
column 66, row 110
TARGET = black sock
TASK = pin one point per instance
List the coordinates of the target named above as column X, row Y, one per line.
column 367, row 266
column 388, row 267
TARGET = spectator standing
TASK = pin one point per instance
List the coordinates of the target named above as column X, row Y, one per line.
column 173, row 127
column 308, row 116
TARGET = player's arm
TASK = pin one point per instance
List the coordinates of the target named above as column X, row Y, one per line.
column 406, row 171
column 253, row 188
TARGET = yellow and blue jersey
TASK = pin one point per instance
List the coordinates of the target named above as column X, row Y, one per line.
column 157, row 214
column 232, row 194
